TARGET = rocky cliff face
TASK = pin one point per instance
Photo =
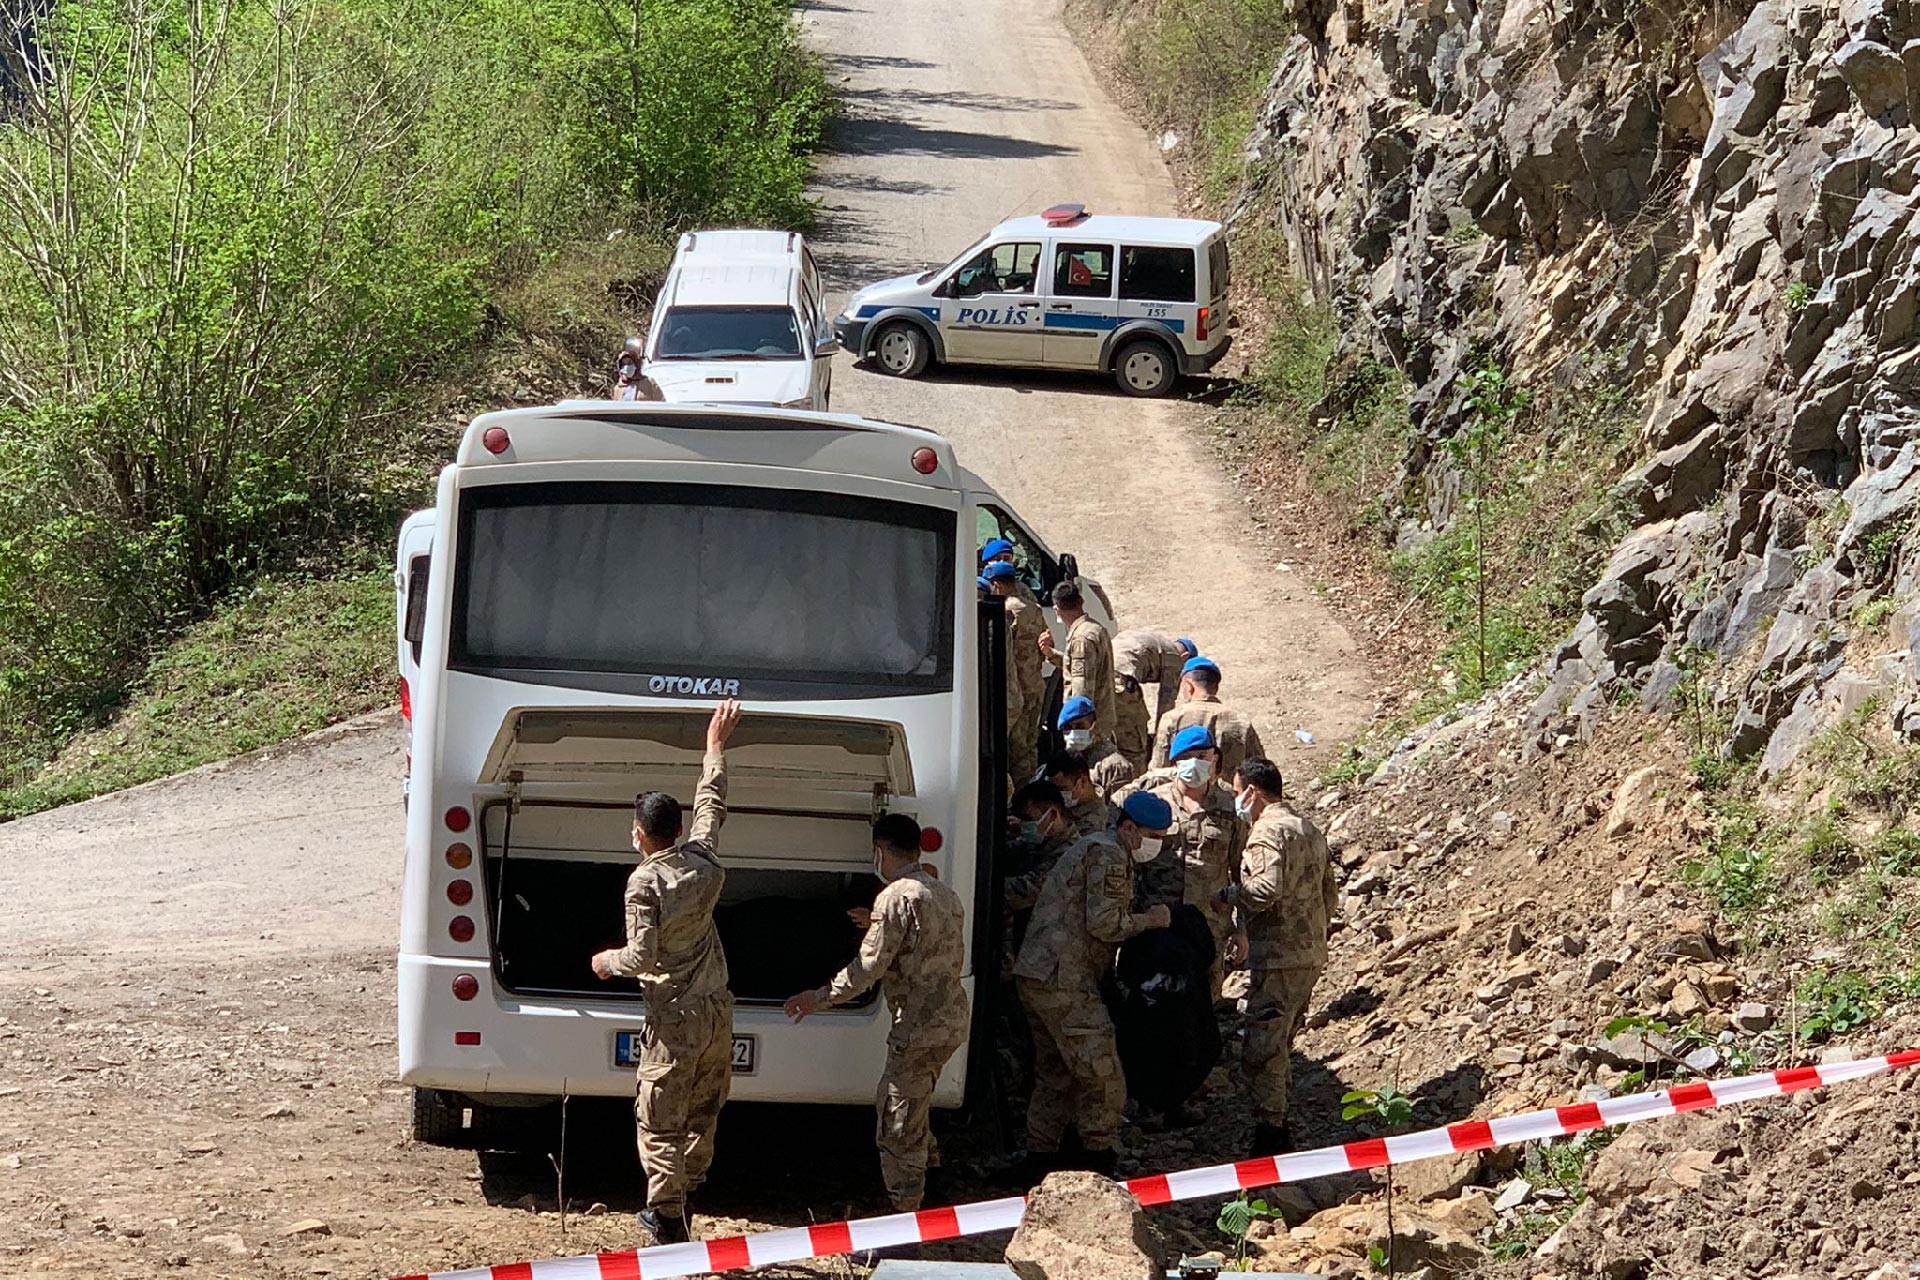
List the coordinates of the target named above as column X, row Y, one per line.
column 1721, row 199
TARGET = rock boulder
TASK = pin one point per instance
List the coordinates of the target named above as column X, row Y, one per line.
column 1081, row 1226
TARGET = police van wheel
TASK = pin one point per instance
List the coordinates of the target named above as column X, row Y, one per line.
column 1144, row 369
column 901, row 350
column 437, row 1119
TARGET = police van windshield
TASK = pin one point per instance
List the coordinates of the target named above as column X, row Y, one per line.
column 928, row 277
column 622, row 586
column 728, row 333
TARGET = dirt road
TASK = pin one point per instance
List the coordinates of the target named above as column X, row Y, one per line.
column 196, row 976
column 986, row 110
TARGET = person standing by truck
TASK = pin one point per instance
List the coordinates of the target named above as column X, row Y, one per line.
column 1088, row 667
column 915, row 947
column 1084, row 911
column 1026, row 689
column 685, row 1060
column 1284, row 902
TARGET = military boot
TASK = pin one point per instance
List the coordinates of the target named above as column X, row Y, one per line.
column 1271, row 1140
column 665, row 1228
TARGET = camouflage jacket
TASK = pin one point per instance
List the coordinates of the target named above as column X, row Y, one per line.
column 1202, row 852
column 1087, row 667
column 1025, row 686
column 1150, row 657
column 672, row 946
column 1084, row 912
column 1235, row 733
column 1287, row 893
column 915, row 948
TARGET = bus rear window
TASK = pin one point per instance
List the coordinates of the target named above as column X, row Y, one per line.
column 616, row 586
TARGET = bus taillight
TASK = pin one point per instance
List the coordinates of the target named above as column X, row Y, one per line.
column 460, row 929
column 466, row 987
column 925, row 461
column 459, row 856
column 460, row 892
column 406, row 701
column 458, row 819
column 931, row 839
column 495, row 439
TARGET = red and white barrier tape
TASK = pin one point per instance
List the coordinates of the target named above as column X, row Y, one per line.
column 798, row 1243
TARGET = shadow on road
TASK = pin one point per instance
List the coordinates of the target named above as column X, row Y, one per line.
column 1200, row 390
column 871, row 137
column 960, row 99
column 867, row 60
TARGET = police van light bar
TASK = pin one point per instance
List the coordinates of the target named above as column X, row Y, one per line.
column 1062, row 215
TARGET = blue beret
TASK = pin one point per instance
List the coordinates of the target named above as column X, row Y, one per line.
column 1192, row 738
column 981, row 582
column 997, row 570
column 1187, row 646
column 1072, row 709
column 1148, row 810
column 1200, row 664
column 998, row 547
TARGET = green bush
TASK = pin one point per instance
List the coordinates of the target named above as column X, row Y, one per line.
column 237, row 237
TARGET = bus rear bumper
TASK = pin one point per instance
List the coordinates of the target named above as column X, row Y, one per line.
column 517, row 1048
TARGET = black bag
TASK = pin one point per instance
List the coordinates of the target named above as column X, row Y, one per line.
column 1161, row 998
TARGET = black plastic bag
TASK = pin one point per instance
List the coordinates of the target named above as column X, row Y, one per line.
column 1161, row 999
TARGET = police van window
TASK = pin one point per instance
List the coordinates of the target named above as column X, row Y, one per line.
column 1083, row 271
column 1156, row 275
column 1004, row 268
column 1218, row 267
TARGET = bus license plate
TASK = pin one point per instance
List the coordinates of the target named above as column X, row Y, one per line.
column 746, row 1052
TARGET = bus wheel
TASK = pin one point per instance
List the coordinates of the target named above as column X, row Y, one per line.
column 437, row 1119
column 1144, row 368
column 902, row 349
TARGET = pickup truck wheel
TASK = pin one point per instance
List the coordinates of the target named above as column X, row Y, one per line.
column 901, row 349
column 437, row 1119
column 1144, row 368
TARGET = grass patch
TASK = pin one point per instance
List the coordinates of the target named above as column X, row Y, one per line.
column 1560, row 1167
column 286, row 657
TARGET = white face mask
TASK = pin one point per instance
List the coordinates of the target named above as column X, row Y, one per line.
column 1149, row 849
column 1079, row 739
column 1243, row 807
column 1195, row 771
column 880, row 869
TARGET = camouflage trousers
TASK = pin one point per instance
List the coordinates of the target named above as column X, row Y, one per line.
column 1076, row 1069
column 684, row 1073
column 1274, row 1005
column 1133, row 733
column 904, row 1106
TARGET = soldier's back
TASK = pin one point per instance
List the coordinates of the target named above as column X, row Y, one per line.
column 685, row 885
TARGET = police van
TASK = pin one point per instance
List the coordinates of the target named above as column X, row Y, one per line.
column 592, row 578
column 1142, row 299
column 741, row 320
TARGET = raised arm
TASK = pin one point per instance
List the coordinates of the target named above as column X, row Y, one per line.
column 710, row 798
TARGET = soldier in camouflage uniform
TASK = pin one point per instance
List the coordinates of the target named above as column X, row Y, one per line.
column 1087, row 668
column 1085, row 910
column 1140, row 658
column 686, row 1039
column 1026, row 691
column 1080, row 729
column 1200, row 703
column 915, row 946
column 1202, row 855
column 1286, row 899
column 1086, row 805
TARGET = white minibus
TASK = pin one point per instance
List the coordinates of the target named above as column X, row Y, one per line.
column 593, row 577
